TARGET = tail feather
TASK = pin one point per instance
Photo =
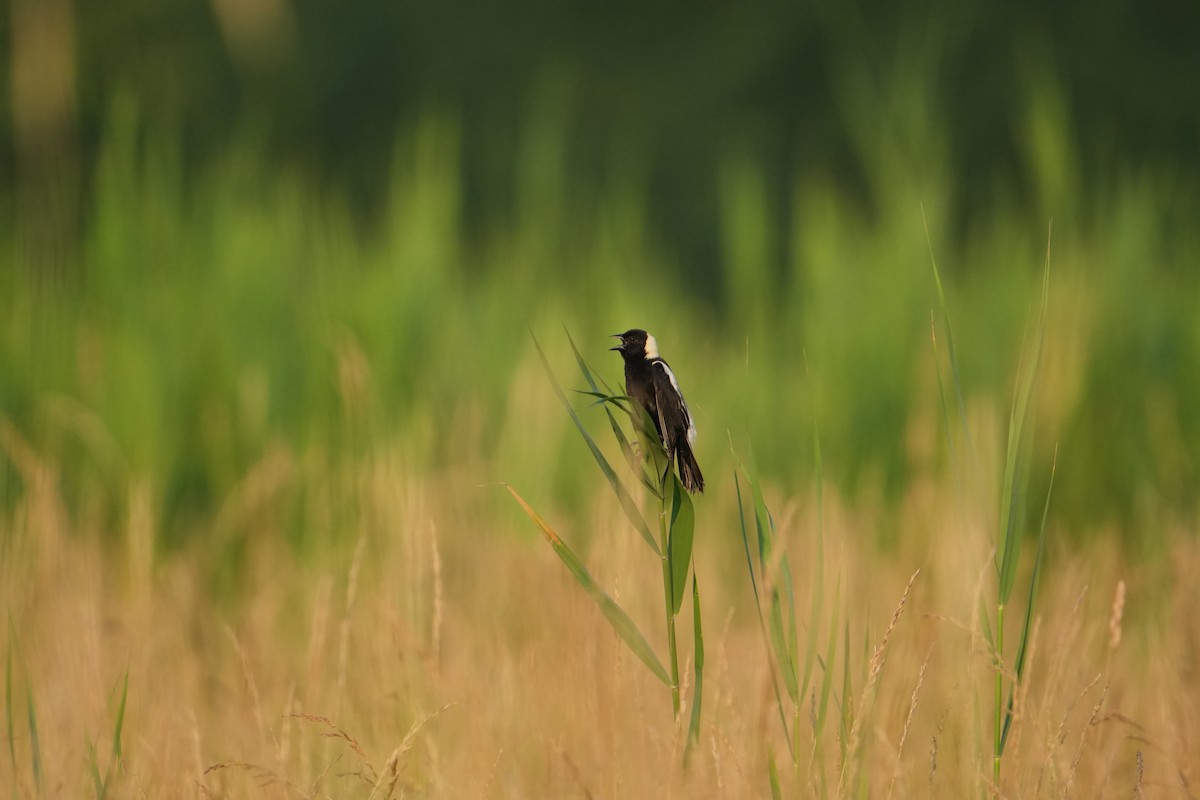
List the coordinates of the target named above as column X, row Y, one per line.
column 689, row 470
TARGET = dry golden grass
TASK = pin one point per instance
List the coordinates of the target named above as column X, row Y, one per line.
column 437, row 648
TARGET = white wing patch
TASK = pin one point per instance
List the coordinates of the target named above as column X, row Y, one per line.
column 691, row 431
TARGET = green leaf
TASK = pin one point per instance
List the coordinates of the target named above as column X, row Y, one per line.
column 698, row 661
column 779, row 641
column 830, row 653
column 94, row 769
column 783, row 641
column 679, row 543
column 764, row 525
column 1016, row 467
column 636, row 465
column 1027, row 623
column 758, row 606
column 769, row 619
column 785, row 573
column 746, row 545
column 616, row 616
column 773, row 777
column 627, row 502
column 115, row 757
column 983, row 620
column 606, row 397
column 954, row 371
column 34, row 744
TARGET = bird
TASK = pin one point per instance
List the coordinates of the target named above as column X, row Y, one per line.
column 652, row 385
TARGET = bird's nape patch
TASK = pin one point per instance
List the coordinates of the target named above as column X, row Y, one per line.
column 651, row 347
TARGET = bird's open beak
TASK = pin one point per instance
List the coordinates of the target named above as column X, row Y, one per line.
column 614, row 336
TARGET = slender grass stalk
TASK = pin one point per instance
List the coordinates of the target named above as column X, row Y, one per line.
column 1012, row 509
column 100, row 785
column 8, row 705
column 616, row 616
column 771, row 580
column 998, row 751
column 673, row 545
column 668, row 591
column 776, row 666
column 698, row 667
column 35, row 748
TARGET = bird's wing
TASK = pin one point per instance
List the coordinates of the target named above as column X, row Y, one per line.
column 673, row 412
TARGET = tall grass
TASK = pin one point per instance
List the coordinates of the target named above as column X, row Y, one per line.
column 246, row 384
column 12, row 712
column 219, row 313
column 1010, row 534
column 546, row 701
column 437, row 599
column 647, row 459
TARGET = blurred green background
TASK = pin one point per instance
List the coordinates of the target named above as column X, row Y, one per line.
column 237, row 228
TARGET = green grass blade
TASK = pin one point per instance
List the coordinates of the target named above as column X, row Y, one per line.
column 818, row 581
column 783, row 644
column 763, row 526
column 98, row 786
column 679, row 542
column 955, row 470
column 34, row 744
column 592, row 382
column 948, row 424
column 984, row 611
column 759, row 608
column 830, row 653
column 779, row 640
column 8, row 704
column 636, row 465
column 698, row 661
column 1026, row 624
column 117, row 751
column 616, row 616
column 792, row 629
column 746, row 544
column 1016, row 467
column 1016, row 481
column 627, row 502
column 953, row 356
column 773, row 777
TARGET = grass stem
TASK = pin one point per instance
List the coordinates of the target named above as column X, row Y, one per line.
column 664, row 533
column 672, row 647
column 997, row 741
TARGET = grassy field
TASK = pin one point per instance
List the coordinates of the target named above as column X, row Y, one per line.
column 431, row 650
column 253, row 539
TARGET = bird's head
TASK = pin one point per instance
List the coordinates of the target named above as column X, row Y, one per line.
column 636, row 344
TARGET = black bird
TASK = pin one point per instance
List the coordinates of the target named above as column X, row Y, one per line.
column 650, row 382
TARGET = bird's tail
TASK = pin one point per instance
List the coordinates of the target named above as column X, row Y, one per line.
column 689, row 470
